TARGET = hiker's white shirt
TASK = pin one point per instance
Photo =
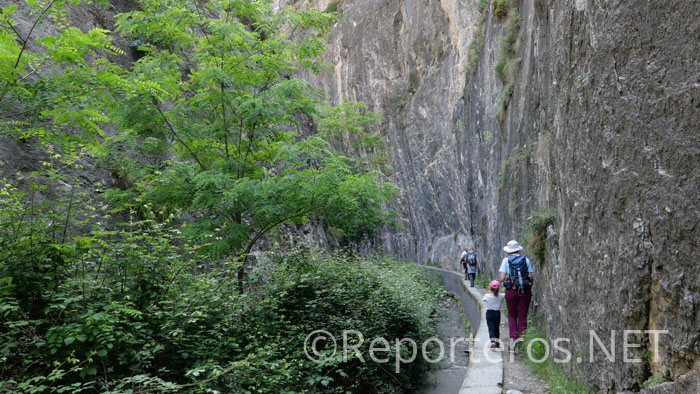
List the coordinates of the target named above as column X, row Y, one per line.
column 492, row 302
column 471, row 269
column 504, row 265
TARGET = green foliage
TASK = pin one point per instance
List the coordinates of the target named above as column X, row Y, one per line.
column 482, row 282
column 654, row 380
column 50, row 80
column 333, row 6
column 134, row 309
column 223, row 104
column 580, row 81
column 536, row 233
column 475, row 46
column 413, row 81
column 463, row 316
column 83, row 309
column 482, row 5
column 500, row 7
column 346, row 126
column 126, row 298
column 507, row 64
column 553, row 373
column 377, row 297
column 401, row 103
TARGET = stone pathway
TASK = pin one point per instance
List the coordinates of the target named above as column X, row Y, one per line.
column 517, row 377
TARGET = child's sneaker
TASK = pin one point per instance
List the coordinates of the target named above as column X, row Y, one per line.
column 494, row 345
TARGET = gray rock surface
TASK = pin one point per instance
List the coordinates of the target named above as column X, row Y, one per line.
column 602, row 126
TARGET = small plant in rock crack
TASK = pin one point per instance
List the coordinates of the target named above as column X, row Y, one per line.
column 580, row 81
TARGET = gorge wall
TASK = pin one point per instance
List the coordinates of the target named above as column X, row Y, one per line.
column 595, row 118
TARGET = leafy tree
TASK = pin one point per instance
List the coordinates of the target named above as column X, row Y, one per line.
column 51, row 83
column 346, row 126
column 213, row 115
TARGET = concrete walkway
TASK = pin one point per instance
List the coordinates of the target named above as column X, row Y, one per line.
column 517, row 377
column 485, row 368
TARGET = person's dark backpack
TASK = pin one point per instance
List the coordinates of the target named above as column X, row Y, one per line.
column 471, row 259
column 518, row 276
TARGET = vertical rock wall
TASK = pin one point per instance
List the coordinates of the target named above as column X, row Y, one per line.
column 407, row 61
column 602, row 125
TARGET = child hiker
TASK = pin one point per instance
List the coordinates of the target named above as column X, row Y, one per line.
column 492, row 300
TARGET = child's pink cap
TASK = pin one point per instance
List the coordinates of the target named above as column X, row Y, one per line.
column 494, row 284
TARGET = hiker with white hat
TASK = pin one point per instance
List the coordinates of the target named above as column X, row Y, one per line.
column 516, row 275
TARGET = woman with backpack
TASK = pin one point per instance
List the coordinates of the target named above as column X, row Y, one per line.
column 516, row 275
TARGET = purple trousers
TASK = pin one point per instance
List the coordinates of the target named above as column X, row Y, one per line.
column 518, row 303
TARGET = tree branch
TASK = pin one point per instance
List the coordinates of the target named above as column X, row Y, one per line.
column 177, row 137
column 12, row 27
column 25, row 41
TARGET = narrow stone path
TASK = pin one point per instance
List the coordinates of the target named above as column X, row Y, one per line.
column 517, row 376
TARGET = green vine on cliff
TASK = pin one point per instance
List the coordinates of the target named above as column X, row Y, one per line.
column 508, row 62
column 536, row 232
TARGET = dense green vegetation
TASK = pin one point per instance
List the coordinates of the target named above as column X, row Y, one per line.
column 154, row 285
column 136, row 309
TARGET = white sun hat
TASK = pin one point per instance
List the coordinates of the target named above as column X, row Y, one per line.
column 512, row 247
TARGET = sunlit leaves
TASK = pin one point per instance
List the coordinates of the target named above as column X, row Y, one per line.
column 223, row 99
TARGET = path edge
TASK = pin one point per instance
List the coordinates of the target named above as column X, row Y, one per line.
column 485, row 367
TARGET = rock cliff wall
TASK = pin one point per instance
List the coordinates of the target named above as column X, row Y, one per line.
column 595, row 116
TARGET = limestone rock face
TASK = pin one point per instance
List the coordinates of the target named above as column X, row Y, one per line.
column 407, row 60
column 601, row 123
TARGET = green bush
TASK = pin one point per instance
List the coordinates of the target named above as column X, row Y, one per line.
column 500, row 7
column 536, row 233
column 654, row 380
column 135, row 308
column 475, row 46
column 102, row 310
column 377, row 297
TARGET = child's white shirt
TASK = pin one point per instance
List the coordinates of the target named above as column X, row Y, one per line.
column 492, row 302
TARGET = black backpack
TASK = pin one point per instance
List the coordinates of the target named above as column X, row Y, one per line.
column 517, row 276
column 471, row 258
